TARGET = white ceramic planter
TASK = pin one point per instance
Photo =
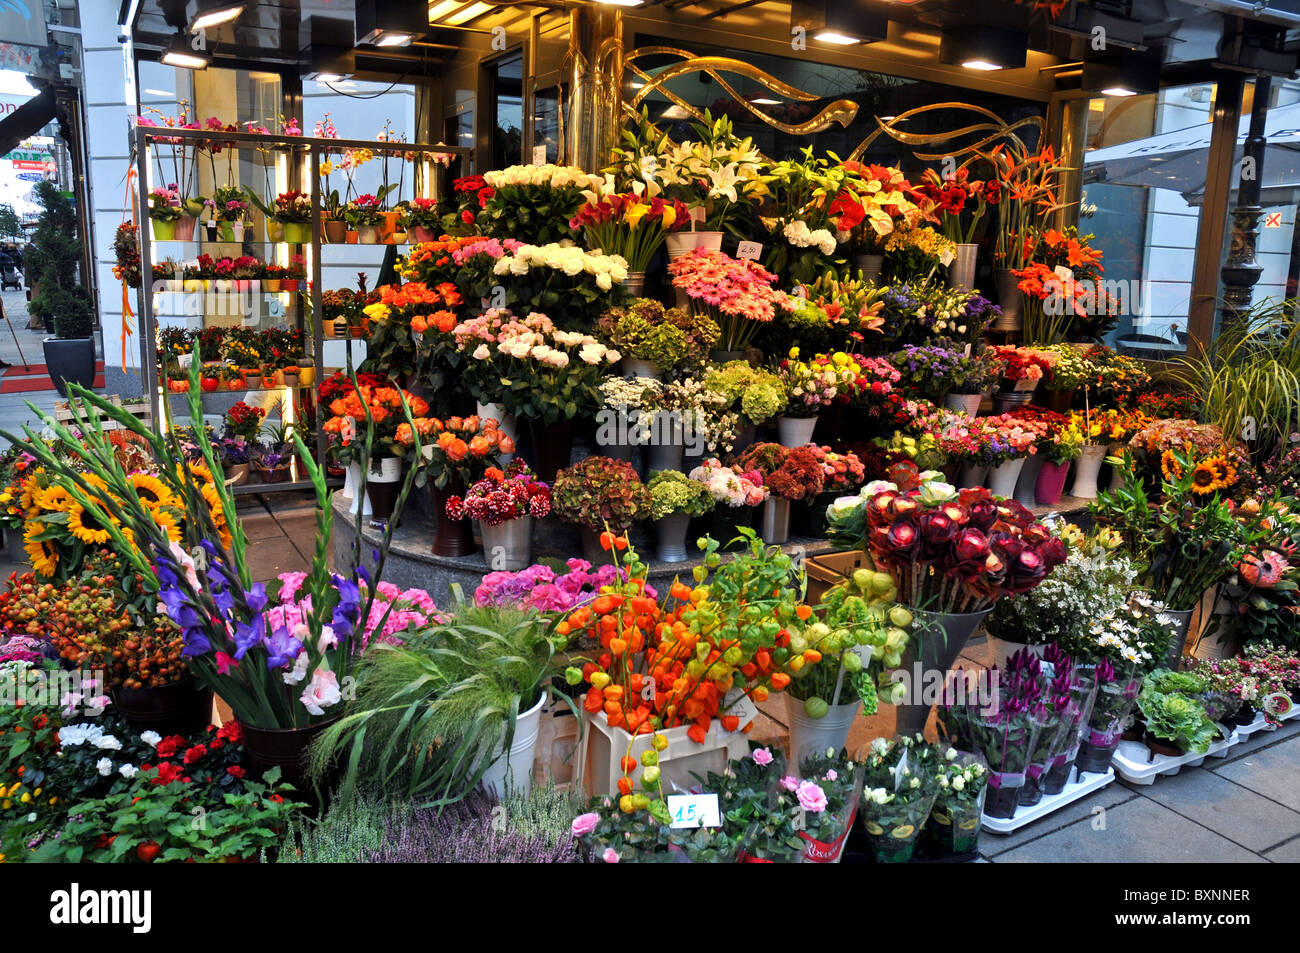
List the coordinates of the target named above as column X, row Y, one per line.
column 795, row 431
column 1086, row 469
column 683, row 243
column 1003, row 477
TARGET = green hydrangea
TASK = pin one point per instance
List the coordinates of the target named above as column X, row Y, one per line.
column 760, row 393
column 673, row 492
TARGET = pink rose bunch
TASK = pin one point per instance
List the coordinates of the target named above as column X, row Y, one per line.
column 728, row 485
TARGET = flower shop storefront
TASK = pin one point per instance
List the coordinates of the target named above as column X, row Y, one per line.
column 727, row 455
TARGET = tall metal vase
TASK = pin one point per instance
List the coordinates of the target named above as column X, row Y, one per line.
column 961, row 272
column 937, row 639
column 1011, row 300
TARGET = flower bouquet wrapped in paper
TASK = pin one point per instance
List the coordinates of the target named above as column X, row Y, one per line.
column 900, row 784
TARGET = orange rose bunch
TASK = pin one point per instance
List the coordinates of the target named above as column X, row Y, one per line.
column 426, row 258
column 348, row 421
column 457, row 447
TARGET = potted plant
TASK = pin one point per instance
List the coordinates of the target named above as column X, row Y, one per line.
column 788, row 476
column 164, row 213
column 953, row 829
column 456, row 706
column 293, row 211
column 674, row 500
column 290, row 375
column 273, row 278
column 505, row 503
column 271, row 463
column 236, row 459
column 599, row 493
column 899, row 787
column 421, row 220
column 365, row 214
column 178, row 379
column 231, row 378
column 229, row 206
column 61, row 302
column 246, row 272
column 243, row 421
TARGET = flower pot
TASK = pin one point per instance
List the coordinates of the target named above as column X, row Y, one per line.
column 450, row 537
column 937, row 639
column 667, row 443
column 634, row 283
column 71, row 360
column 1159, row 746
column 297, row 233
column 237, row 473
column 683, row 243
column 1111, row 707
column 1086, row 469
column 351, row 237
column 181, row 708
column 972, row 475
column 508, row 546
column 306, row 376
column 178, row 386
column 279, row 474
column 1025, row 486
column 633, row 367
column 1051, row 482
column 290, row 380
column 1011, row 300
column 1116, row 473
column 1001, row 797
column 812, row 736
column 368, row 234
column 1003, row 477
column 383, row 483
column 1005, row 401
column 795, row 431
column 869, row 265
column 388, row 227
column 961, row 271
column 336, row 231
column 274, row 230
column 552, row 447
column 968, row 404
column 185, row 228
column 230, row 231
column 253, row 380
column 514, row 769
column 272, row 285
column 163, row 231
column 776, row 520
column 283, row 748
column 418, row 235
column 1243, row 716
column 351, row 490
column 1181, row 620
column 670, row 538
column 289, row 284
column 953, row 830
column 1056, row 400
column 591, row 549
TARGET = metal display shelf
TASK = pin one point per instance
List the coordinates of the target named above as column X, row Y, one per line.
column 304, row 156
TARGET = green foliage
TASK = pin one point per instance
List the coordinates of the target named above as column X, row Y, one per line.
column 1176, row 718
column 672, row 492
column 10, row 225
column 433, row 714
column 61, row 303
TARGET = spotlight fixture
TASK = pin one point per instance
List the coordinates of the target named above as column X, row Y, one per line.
column 1129, row 75
column 206, row 19
column 181, row 54
column 983, row 48
column 390, row 22
column 621, row 3
column 838, row 23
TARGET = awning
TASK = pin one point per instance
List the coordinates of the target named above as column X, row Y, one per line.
column 27, row 120
column 1176, row 160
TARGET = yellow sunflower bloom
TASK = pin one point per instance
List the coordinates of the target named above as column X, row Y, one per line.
column 41, row 553
column 85, row 527
column 152, row 492
column 53, row 498
column 168, row 523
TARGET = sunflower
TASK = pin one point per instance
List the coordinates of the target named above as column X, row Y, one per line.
column 54, row 498
column 41, row 553
column 168, row 523
column 1170, row 466
column 152, row 492
column 28, row 498
column 84, row 526
column 1213, row 474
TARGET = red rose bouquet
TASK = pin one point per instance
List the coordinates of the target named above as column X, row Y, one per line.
column 502, row 496
column 792, row 474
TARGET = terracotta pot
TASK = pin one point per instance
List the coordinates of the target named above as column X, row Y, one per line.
column 388, row 228
column 419, row 234
column 351, row 236
column 336, row 232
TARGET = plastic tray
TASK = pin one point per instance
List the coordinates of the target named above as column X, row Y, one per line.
column 1072, row 791
column 1131, row 760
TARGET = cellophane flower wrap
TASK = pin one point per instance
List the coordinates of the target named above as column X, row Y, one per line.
column 899, row 786
column 957, row 815
column 826, row 788
column 502, row 496
column 948, row 550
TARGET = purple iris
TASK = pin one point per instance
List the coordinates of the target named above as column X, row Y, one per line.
column 248, row 634
column 281, row 649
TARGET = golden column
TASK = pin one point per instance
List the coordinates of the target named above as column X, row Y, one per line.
column 594, row 65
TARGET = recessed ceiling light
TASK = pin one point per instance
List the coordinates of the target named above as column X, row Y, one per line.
column 217, row 16
column 439, row 10
column 982, row 65
column 764, row 101
column 468, row 13
column 1118, row 91
column 839, row 39
column 394, row 39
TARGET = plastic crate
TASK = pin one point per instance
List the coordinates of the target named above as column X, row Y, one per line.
column 604, row 747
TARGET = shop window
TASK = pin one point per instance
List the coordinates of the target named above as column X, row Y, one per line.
column 506, row 79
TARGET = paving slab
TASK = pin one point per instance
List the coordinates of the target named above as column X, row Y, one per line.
column 270, row 557
column 1237, row 813
column 1272, row 772
column 1137, row 831
column 1263, row 739
column 992, row 845
column 1288, row 853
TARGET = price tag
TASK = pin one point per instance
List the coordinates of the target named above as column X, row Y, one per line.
column 749, row 250
column 694, row 810
column 737, row 703
column 539, row 155
column 698, row 214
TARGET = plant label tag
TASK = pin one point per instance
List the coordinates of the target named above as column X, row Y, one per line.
column 737, row 703
column 694, row 810
column 539, row 154
column 698, row 214
column 899, row 770
column 750, row 251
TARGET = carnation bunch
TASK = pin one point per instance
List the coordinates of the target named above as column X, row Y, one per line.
column 502, row 496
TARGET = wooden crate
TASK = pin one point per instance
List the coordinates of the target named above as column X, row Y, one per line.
column 829, row 569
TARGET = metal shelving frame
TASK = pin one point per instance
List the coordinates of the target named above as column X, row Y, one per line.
column 296, row 147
